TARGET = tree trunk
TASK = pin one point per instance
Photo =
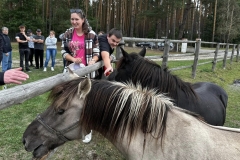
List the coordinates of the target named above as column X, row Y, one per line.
column 199, row 19
column 214, row 20
column 132, row 18
column 184, row 20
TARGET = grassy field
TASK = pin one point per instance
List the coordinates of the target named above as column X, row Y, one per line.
column 15, row 119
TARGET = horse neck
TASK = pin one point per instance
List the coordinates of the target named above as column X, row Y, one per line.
column 153, row 76
column 136, row 150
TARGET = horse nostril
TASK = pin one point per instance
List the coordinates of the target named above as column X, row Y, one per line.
column 23, row 141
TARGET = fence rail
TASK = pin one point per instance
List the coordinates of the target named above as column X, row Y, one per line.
column 195, row 54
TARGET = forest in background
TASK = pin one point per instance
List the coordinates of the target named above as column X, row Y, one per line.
column 210, row 20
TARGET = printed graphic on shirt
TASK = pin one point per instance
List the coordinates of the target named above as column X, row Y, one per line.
column 75, row 46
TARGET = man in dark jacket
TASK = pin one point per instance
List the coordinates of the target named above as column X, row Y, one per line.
column 6, row 50
column 1, row 43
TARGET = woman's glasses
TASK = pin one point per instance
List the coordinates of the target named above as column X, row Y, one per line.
column 76, row 11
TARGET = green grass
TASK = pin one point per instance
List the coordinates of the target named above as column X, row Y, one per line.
column 15, row 119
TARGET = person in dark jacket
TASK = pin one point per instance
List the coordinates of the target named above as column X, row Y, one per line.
column 1, row 49
column 38, row 40
column 6, row 50
column 13, row 76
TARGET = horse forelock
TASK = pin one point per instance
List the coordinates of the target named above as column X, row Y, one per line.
column 114, row 108
column 131, row 57
column 63, row 94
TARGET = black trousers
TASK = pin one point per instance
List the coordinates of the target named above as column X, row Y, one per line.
column 31, row 54
column 39, row 58
column 24, row 55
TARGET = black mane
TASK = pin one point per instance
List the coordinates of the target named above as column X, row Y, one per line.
column 151, row 75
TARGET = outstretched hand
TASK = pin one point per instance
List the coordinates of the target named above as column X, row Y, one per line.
column 15, row 76
column 108, row 71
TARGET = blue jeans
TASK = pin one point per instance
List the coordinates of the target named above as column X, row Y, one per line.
column 50, row 52
column 6, row 61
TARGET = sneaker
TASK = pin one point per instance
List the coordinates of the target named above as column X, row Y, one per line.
column 88, row 138
column 28, row 70
column 52, row 69
column 65, row 70
column 36, row 68
column 4, row 87
column 45, row 69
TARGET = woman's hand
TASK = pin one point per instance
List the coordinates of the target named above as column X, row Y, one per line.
column 77, row 60
column 91, row 62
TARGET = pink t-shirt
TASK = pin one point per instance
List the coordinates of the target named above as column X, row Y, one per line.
column 78, row 47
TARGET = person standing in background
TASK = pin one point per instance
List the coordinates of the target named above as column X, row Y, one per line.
column 24, row 51
column 6, row 50
column 31, row 46
column 51, row 43
column 100, row 33
column 1, row 49
column 38, row 48
column 64, row 60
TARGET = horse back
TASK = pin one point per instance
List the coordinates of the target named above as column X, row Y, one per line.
column 214, row 100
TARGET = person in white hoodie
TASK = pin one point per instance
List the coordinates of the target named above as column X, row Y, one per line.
column 51, row 44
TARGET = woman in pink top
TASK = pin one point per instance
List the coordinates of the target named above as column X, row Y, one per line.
column 80, row 44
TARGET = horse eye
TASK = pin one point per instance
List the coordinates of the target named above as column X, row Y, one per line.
column 61, row 111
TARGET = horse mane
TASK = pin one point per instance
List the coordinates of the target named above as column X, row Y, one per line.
column 114, row 108
column 117, row 108
column 160, row 79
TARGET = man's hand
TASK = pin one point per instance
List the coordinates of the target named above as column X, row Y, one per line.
column 15, row 76
column 108, row 71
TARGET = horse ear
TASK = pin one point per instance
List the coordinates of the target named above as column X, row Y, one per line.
column 142, row 52
column 124, row 53
column 84, row 87
column 72, row 74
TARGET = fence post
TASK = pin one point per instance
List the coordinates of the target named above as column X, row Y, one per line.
column 237, row 53
column 215, row 57
column 165, row 53
column 233, row 50
column 194, row 67
column 118, row 50
column 225, row 56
